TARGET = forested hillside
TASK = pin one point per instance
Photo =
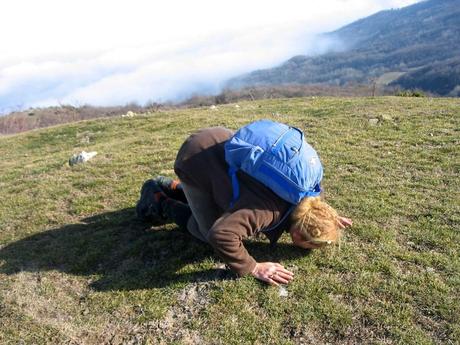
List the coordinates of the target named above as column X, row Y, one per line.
column 414, row 47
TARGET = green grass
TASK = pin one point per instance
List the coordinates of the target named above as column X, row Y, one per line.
column 77, row 267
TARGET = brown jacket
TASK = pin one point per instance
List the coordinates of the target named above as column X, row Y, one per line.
column 201, row 162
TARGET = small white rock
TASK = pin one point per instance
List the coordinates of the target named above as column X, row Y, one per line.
column 283, row 292
column 373, row 122
column 81, row 157
column 128, row 114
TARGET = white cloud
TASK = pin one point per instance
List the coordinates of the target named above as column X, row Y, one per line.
column 113, row 52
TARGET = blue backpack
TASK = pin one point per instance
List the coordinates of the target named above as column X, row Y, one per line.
column 276, row 155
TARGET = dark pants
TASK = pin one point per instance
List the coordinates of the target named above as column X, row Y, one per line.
column 204, row 212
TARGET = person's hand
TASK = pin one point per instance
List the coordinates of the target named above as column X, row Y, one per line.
column 344, row 222
column 272, row 273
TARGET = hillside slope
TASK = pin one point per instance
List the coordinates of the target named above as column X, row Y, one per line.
column 421, row 42
column 76, row 267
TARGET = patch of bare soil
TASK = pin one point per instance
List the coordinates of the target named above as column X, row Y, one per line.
column 175, row 326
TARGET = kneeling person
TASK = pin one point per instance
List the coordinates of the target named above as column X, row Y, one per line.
column 204, row 204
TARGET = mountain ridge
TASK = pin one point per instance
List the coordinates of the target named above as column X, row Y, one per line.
column 423, row 36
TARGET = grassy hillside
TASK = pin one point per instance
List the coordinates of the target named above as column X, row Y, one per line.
column 76, row 267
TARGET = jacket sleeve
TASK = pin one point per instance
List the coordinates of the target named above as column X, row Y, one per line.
column 227, row 235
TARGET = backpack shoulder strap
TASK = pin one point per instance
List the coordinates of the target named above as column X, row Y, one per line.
column 286, row 214
column 235, row 185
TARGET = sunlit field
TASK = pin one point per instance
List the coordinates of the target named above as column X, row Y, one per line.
column 77, row 267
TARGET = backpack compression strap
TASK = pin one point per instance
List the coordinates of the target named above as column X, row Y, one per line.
column 235, row 185
column 288, row 212
column 316, row 190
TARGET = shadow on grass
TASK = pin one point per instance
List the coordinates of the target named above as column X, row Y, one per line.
column 121, row 253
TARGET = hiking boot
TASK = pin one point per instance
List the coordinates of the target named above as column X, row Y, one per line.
column 165, row 183
column 149, row 205
column 172, row 188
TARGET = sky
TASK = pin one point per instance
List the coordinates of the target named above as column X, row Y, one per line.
column 98, row 52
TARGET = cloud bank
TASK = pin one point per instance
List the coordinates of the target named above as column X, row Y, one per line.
column 113, row 53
